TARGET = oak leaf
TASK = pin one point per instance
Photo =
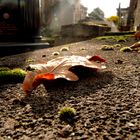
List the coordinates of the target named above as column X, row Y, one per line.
column 59, row 67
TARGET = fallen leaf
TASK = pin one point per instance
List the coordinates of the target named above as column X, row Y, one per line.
column 59, row 68
column 135, row 46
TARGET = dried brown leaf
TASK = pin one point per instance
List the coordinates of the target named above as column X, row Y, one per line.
column 59, row 68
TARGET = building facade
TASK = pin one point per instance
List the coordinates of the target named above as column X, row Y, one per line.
column 133, row 14
column 56, row 13
column 137, row 16
column 122, row 13
column 130, row 17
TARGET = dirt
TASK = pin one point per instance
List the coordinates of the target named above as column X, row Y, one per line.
column 107, row 103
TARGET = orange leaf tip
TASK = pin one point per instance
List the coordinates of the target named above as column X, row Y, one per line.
column 46, row 76
column 96, row 58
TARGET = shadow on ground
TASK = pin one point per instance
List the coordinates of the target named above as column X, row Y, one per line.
column 46, row 100
column 17, row 48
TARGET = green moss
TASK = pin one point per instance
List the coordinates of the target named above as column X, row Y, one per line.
column 117, row 45
column 107, row 47
column 121, row 39
column 29, row 60
column 64, row 49
column 18, row 72
column 82, row 48
column 4, row 69
column 126, row 49
column 55, row 53
column 14, row 75
column 67, row 114
column 126, row 33
column 118, row 38
column 104, row 37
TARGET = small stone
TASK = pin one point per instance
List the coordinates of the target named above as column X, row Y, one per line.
column 66, row 131
column 41, row 136
column 79, row 133
column 10, row 123
column 24, row 137
column 84, row 137
column 119, row 62
column 87, row 124
column 130, row 124
column 40, row 119
column 1, row 138
column 9, row 137
column 72, row 134
column 28, row 108
column 18, row 134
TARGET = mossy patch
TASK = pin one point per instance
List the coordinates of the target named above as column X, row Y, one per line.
column 67, row 114
column 117, row 38
column 117, row 45
column 14, row 75
column 82, row 48
column 4, row 68
column 28, row 60
column 55, row 53
column 64, row 49
column 126, row 49
column 121, row 39
column 104, row 37
column 107, row 47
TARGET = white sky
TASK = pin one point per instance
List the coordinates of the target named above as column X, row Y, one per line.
column 107, row 6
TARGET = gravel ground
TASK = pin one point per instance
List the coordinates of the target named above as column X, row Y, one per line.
column 107, row 103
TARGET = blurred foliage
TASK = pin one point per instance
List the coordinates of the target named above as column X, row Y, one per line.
column 45, row 31
column 96, row 14
column 114, row 19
